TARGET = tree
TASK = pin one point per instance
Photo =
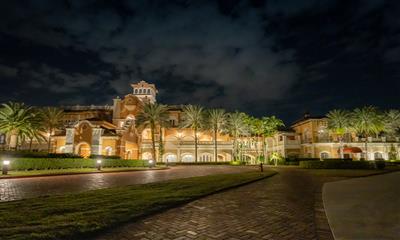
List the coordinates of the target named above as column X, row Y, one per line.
column 367, row 122
column 14, row 119
column 51, row 119
column 270, row 126
column 216, row 119
column 193, row 117
column 392, row 122
column 339, row 124
column 236, row 127
column 275, row 158
column 152, row 115
column 35, row 129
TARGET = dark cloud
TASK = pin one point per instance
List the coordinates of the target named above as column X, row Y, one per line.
column 264, row 57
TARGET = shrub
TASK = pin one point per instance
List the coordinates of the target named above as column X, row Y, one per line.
column 380, row 164
column 338, row 164
column 104, row 157
column 65, row 163
column 200, row 163
column 236, row 163
column 30, row 154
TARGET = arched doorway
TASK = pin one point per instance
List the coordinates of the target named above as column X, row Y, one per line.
column 187, row 158
column 170, row 158
column 83, row 150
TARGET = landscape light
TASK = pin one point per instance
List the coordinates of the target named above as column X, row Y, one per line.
column 6, row 163
column 151, row 163
column 98, row 164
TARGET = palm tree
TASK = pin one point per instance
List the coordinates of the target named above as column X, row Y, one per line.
column 152, row 115
column 51, row 119
column 193, row 118
column 14, row 118
column 236, row 127
column 367, row 122
column 270, row 126
column 35, row 129
column 392, row 122
column 216, row 119
column 339, row 124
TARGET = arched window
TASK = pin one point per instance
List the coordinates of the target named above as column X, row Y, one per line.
column 109, row 151
column 324, row 155
column 188, row 158
column 205, row 157
column 378, row 156
column 148, row 91
column 146, row 156
column 171, row 158
column 140, row 91
column 62, row 149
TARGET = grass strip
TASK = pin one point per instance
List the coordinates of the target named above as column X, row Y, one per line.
column 78, row 216
column 31, row 173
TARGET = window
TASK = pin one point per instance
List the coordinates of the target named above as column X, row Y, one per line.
column 140, row 91
column 378, row 156
column 108, row 151
column 324, row 155
column 205, row 158
column 148, row 91
column 171, row 158
column 188, row 158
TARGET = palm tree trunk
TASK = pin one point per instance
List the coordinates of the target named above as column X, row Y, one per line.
column 366, row 148
column 30, row 144
column 153, row 142
column 13, row 141
column 341, row 147
column 49, row 144
column 215, row 147
column 195, row 145
column 234, row 148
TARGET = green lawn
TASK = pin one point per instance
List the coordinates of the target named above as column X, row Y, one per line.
column 77, row 216
column 72, row 171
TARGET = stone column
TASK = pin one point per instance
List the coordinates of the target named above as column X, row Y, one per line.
column 96, row 141
column 69, row 140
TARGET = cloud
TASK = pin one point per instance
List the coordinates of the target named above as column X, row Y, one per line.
column 57, row 81
column 6, row 71
column 193, row 42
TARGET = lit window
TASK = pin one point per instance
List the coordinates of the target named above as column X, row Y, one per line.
column 324, row 155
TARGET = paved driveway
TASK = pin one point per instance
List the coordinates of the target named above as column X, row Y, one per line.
column 14, row 189
column 286, row 206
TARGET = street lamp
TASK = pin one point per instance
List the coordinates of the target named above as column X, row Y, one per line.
column 6, row 163
column 98, row 165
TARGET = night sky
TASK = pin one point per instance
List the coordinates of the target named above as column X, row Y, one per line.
column 266, row 57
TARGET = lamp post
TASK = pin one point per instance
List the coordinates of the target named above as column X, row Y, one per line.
column 98, row 165
column 6, row 163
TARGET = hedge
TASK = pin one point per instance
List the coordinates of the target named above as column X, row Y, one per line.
column 64, row 163
column 30, row 154
column 342, row 164
column 198, row 163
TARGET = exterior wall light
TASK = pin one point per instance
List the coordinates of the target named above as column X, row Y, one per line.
column 98, row 165
column 6, row 163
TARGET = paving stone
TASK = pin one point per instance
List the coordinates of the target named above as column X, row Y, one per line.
column 286, row 206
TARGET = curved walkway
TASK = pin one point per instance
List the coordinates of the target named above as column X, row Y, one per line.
column 364, row 208
column 281, row 207
column 15, row 189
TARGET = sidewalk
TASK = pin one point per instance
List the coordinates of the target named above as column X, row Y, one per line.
column 364, row 208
